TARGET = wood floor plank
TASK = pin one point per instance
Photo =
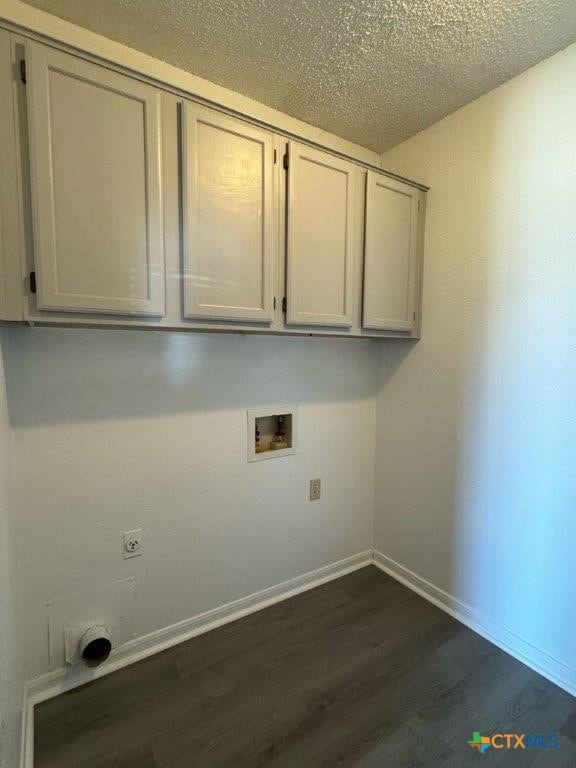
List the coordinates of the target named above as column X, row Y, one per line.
column 358, row 673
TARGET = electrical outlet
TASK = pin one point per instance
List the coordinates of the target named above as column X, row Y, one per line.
column 315, row 489
column 132, row 543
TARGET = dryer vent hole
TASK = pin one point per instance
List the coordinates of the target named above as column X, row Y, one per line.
column 96, row 651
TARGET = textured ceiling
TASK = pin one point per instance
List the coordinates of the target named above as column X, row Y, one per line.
column 372, row 71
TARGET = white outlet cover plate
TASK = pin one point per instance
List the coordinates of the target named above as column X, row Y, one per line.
column 111, row 602
column 126, row 536
column 315, row 489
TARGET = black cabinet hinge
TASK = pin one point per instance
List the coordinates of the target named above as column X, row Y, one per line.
column 284, row 304
column 275, row 157
column 23, row 70
column 285, row 161
column 32, row 282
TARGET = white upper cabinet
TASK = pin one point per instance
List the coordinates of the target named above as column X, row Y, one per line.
column 94, row 139
column 321, row 230
column 390, row 261
column 229, row 242
column 151, row 210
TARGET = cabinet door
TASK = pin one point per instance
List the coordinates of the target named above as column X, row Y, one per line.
column 390, row 254
column 95, row 176
column 228, row 217
column 320, row 238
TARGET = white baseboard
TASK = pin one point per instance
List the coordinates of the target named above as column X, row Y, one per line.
column 61, row 680
column 549, row 667
column 27, row 736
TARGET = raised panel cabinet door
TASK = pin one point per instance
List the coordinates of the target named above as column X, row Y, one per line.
column 390, row 254
column 228, row 217
column 320, row 238
column 94, row 139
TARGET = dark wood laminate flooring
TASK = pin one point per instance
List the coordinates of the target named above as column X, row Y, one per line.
column 358, row 672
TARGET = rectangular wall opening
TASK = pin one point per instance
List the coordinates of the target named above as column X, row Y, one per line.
column 271, row 432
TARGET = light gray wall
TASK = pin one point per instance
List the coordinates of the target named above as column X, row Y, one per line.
column 476, row 424
column 11, row 669
column 113, row 430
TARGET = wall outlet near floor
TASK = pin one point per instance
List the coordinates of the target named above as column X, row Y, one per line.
column 315, row 489
column 132, row 543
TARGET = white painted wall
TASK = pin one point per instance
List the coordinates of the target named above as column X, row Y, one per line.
column 119, row 430
column 476, row 424
column 474, row 479
column 11, row 667
column 113, row 430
